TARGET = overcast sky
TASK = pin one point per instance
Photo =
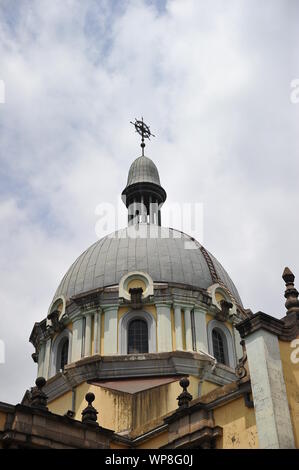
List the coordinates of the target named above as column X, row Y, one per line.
column 212, row 78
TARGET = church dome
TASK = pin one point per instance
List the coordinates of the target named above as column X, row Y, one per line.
column 171, row 257
column 143, row 170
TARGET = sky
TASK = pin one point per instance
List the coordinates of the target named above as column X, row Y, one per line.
column 212, row 79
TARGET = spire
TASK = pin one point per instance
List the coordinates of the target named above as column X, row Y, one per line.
column 291, row 293
column 143, row 194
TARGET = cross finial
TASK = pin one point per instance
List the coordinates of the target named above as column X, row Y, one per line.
column 142, row 130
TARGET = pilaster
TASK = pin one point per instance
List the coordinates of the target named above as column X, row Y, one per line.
column 164, row 332
column 110, row 329
column 201, row 336
column 273, row 420
column 77, row 339
column 178, row 327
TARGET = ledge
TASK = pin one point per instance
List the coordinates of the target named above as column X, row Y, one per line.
column 285, row 329
column 174, row 363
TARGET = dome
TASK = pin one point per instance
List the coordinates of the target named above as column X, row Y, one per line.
column 172, row 257
column 143, row 170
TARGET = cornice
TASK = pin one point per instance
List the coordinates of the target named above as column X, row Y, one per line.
column 285, row 329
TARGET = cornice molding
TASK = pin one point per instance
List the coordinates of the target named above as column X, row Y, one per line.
column 285, row 329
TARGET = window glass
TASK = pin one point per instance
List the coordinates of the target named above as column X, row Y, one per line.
column 137, row 337
column 64, row 354
column 219, row 346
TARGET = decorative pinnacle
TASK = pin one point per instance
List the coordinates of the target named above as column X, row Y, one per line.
column 38, row 397
column 185, row 396
column 142, row 130
column 89, row 414
column 288, row 276
column 291, row 293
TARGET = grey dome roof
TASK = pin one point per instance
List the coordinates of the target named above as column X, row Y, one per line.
column 165, row 258
column 143, row 170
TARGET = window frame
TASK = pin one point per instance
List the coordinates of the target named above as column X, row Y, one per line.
column 147, row 335
column 124, row 328
column 56, row 348
column 230, row 345
column 224, row 345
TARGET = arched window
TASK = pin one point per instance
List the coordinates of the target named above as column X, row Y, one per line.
column 219, row 346
column 61, row 352
column 137, row 336
column 127, row 333
column 63, row 357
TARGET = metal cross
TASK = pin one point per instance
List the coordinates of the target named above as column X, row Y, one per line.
column 142, row 130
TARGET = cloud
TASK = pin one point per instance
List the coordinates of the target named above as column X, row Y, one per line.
column 212, row 79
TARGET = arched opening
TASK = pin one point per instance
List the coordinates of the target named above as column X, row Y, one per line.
column 62, row 356
column 220, row 346
column 137, row 336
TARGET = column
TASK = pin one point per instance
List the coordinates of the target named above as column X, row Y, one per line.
column 87, row 343
column 178, row 327
column 201, row 336
column 164, row 327
column 143, row 210
column 272, row 413
column 97, row 333
column 41, row 360
column 151, row 211
column 188, row 328
column 77, row 339
column 110, row 329
column 47, row 359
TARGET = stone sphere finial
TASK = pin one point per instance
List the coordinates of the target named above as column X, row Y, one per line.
column 89, row 414
column 40, row 382
column 185, row 397
column 90, row 397
column 38, row 397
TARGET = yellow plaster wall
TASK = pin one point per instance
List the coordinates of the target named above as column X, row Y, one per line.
column 219, row 296
column 239, row 426
column 211, row 317
column 61, row 404
column 291, row 378
column 207, row 387
column 135, row 283
column 123, row 411
column 147, row 308
column 113, row 407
